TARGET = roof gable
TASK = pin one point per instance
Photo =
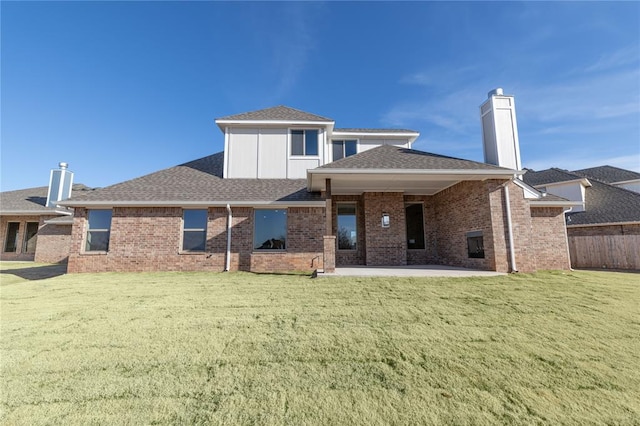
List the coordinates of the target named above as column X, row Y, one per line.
column 278, row 113
column 398, row 158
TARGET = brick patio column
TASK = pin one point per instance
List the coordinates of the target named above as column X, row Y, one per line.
column 329, row 240
column 329, row 253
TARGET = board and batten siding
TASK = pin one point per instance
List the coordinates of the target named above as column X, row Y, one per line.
column 367, row 144
column 263, row 153
column 242, row 154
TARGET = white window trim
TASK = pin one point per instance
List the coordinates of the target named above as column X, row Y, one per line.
column 304, row 145
column 343, row 140
column 181, row 249
column 89, row 229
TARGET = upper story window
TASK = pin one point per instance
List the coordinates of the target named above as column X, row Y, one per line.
column 194, row 230
column 344, row 148
column 99, row 230
column 304, row 142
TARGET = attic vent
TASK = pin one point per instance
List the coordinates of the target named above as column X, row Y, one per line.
column 60, row 183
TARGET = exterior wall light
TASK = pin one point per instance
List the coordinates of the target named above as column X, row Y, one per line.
column 385, row 220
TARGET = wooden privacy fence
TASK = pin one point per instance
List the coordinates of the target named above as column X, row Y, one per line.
column 605, row 251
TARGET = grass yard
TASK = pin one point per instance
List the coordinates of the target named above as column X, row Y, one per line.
column 238, row 348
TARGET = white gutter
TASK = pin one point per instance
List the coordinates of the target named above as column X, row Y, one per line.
column 193, row 204
column 558, row 203
column 229, row 223
column 446, row 172
column 512, row 252
column 34, row 213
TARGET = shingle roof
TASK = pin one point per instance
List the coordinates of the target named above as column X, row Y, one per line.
column 199, row 181
column 553, row 175
column 608, row 174
column 394, row 157
column 278, row 113
column 32, row 199
column 604, row 203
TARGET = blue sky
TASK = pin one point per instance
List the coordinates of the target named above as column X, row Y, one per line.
column 122, row 89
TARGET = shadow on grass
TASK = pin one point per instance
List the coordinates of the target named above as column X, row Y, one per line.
column 37, row 272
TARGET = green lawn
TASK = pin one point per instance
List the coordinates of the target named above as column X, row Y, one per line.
column 239, row 348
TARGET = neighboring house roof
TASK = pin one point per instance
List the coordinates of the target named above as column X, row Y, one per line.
column 32, row 201
column 278, row 113
column 604, row 203
column 198, row 182
column 398, row 158
column 553, row 175
column 608, row 174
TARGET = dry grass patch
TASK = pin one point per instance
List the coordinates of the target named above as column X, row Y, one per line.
column 238, row 348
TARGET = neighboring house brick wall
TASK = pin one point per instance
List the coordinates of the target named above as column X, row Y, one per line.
column 149, row 239
column 583, row 231
column 549, row 239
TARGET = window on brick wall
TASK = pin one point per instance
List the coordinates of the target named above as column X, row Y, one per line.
column 99, row 230
column 11, row 240
column 30, row 238
column 347, row 227
column 194, row 230
column 270, row 229
column 475, row 244
column 415, row 226
column 304, row 142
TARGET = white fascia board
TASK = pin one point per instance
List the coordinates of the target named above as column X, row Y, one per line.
column 622, row 182
column 589, row 225
column 554, row 203
column 583, row 181
column 193, row 204
column 412, row 136
column 59, row 222
column 463, row 174
column 262, row 123
column 507, row 174
column 34, row 213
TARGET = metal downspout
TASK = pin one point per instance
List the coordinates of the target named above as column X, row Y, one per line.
column 512, row 252
column 229, row 223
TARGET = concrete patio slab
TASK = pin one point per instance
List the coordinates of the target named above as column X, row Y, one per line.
column 408, row 271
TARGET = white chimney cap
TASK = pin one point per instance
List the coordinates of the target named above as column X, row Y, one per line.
column 496, row 92
column 63, row 165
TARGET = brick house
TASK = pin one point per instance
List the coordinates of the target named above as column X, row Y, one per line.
column 604, row 228
column 33, row 227
column 291, row 191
